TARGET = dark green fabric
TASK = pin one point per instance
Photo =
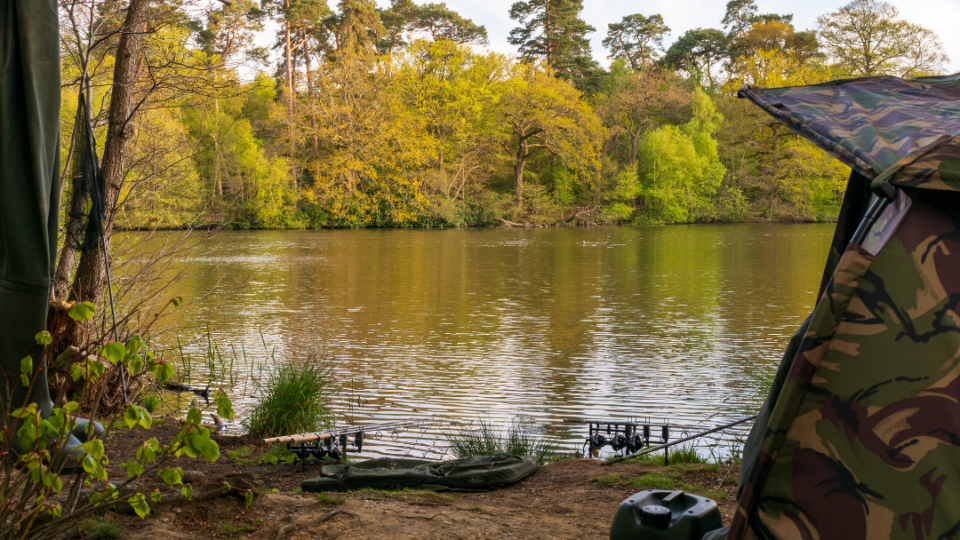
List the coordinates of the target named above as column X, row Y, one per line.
column 470, row 474
column 29, row 189
column 29, row 177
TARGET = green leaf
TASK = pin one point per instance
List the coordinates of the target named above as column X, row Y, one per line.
column 54, row 510
column 94, row 448
column 139, row 504
column 147, row 453
column 248, row 498
column 114, row 352
column 89, row 464
column 187, row 492
column 172, row 477
column 155, row 496
column 194, row 416
column 43, row 338
column 82, row 311
column 224, row 406
column 24, row 380
column 134, row 344
column 134, row 469
column 198, row 444
column 162, row 371
column 135, row 364
column 177, row 301
column 76, row 372
column 136, row 415
column 26, row 366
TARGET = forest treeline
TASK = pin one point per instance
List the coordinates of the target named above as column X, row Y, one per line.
column 399, row 115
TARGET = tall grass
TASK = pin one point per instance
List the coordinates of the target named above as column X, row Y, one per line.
column 519, row 439
column 293, row 399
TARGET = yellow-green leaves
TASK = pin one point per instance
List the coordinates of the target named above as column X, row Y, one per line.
column 147, row 453
column 82, row 311
column 172, row 477
column 134, row 415
column 224, row 405
column 139, row 504
column 93, row 459
column 113, row 352
column 134, row 469
column 26, row 370
column 43, row 338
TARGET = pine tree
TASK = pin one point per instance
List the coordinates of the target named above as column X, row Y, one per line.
column 552, row 30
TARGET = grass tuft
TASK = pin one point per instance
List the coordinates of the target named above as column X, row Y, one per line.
column 326, row 498
column 607, row 479
column 151, row 402
column 293, row 399
column 102, row 528
column 518, row 439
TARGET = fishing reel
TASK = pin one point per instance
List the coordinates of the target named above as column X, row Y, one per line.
column 333, row 447
column 629, row 436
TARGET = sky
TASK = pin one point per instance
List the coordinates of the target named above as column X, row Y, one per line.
column 941, row 16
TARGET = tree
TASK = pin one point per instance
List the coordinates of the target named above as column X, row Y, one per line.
column 868, row 37
column 636, row 39
column 455, row 92
column 768, row 36
column 697, row 52
column 742, row 14
column 441, row 22
column 552, row 31
column 638, row 101
column 544, row 113
column 682, row 171
column 230, row 30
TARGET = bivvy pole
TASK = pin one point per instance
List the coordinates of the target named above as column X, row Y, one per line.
column 886, row 193
column 106, row 257
column 678, row 441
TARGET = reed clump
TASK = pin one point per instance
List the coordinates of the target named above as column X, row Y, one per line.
column 517, row 438
column 294, row 399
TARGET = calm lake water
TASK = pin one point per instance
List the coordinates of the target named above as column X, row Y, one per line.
column 551, row 326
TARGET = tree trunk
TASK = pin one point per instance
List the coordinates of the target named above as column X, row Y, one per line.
column 313, row 119
column 518, row 171
column 91, row 274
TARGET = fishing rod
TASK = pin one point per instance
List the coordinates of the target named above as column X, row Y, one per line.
column 349, row 430
column 334, row 443
column 678, row 441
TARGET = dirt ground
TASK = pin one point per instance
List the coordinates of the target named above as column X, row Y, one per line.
column 569, row 499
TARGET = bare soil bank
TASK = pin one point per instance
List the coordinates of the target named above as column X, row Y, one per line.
column 570, row 499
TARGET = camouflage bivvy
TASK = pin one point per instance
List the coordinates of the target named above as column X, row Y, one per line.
column 860, row 438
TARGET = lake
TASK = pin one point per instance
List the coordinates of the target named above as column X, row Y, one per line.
column 675, row 324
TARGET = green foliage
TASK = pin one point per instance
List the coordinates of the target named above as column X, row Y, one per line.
column 42, row 452
column 682, row 171
column 293, row 399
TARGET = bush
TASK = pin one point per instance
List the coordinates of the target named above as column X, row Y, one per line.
column 293, row 400
column 518, row 439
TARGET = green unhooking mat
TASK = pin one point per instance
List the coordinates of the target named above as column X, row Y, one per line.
column 471, row 474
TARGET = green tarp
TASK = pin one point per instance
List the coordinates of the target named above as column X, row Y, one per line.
column 471, row 474
column 875, row 123
column 29, row 177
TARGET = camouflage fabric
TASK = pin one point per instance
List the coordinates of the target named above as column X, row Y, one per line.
column 908, row 129
column 863, row 441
